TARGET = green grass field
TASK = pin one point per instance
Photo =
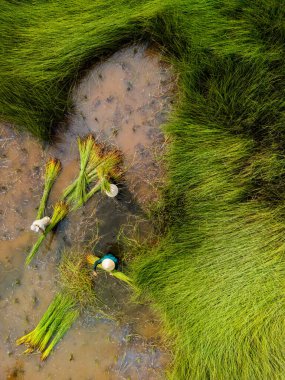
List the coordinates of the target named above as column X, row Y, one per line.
column 218, row 274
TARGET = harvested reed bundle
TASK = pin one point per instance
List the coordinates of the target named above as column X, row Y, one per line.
column 65, row 325
column 85, row 146
column 109, row 168
column 97, row 167
column 90, row 154
column 58, row 318
column 59, row 212
column 96, row 170
column 90, row 169
column 76, row 294
column 119, row 275
column 53, row 168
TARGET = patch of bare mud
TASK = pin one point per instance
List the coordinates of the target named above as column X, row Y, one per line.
column 123, row 101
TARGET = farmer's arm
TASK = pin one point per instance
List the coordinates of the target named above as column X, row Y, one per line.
column 97, row 262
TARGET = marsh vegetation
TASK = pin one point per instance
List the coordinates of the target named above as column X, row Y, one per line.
column 216, row 275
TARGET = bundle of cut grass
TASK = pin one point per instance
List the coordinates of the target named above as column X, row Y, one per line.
column 60, row 211
column 119, row 275
column 78, row 193
column 90, row 154
column 97, row 168
column 53, row 168
column 75, row 296
column 58, row 318
column 108, row 169
column 76, row 280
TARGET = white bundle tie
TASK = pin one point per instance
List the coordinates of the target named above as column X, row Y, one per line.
column 40, row 224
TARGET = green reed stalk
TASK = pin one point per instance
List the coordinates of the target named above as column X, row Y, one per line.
column 55, row 323
column 29, row 338
column 59, row 213
column 67, row 321
column 50, row 324
column 53, row 168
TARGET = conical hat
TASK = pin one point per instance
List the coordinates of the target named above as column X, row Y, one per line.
column 108, row 264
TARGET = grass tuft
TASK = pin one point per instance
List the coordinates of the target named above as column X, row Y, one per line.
column 75, row 278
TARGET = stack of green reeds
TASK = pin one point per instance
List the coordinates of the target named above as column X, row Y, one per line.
column 76, row 294
column 58, row 318
column 97, row 167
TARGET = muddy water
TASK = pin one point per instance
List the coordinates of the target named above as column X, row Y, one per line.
column 123, row 101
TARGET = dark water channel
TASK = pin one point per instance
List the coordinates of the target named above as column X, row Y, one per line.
column 123, row 101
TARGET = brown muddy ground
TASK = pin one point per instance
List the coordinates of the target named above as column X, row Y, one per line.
column 123, row 101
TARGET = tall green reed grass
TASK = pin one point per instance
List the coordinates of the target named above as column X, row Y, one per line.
column 217, row 276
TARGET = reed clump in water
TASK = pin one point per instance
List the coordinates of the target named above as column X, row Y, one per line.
column 58, row 318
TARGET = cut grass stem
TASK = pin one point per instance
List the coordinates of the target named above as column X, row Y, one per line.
column 59, row 213
column 58, row 318
column 53, row 168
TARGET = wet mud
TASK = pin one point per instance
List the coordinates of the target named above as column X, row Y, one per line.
column 123, row 101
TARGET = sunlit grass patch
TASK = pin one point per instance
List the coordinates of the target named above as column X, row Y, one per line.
column 218, row 275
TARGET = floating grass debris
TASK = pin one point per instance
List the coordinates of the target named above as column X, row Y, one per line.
column 52, row 170
column 60, row 211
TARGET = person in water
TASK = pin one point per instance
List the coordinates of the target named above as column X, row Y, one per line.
column 109, row 262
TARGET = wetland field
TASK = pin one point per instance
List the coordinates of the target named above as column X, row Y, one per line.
column 189, row 96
